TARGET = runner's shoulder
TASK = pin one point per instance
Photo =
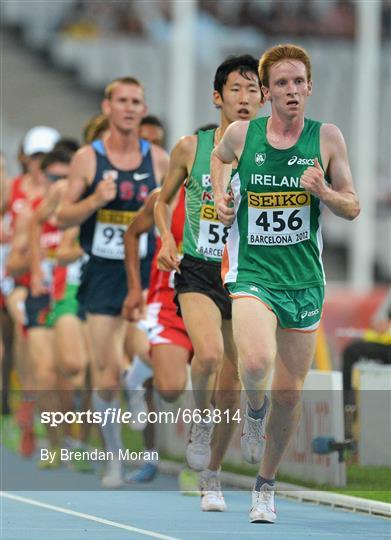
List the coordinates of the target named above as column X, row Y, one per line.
column 84, row 156
column 237, row 130
column 332, row 140
column 186, row 145
column 84, row 162
column 330, row 133
column 160, row 161
column 158, row 153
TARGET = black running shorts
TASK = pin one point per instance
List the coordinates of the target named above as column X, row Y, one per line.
column 37, row 310
column 203, row 277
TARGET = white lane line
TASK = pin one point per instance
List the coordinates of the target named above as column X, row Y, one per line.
column 89, row 517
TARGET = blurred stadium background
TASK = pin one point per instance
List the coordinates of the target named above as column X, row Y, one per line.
column 58, row 56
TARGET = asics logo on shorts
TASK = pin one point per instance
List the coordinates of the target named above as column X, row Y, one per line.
column 300, row 161
column 140, row 176
column 309, row 313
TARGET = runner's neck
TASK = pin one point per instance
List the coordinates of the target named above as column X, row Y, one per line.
column 284, row 133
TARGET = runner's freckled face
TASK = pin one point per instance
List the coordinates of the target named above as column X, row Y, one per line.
column 288, row 87
column 241, row 97
column 125, row 107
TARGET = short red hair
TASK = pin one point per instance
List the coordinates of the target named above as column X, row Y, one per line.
column 277, row 54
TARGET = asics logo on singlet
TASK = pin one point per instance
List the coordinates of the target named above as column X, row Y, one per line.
column 300, row 161
column 309, row 313
column 140, row 176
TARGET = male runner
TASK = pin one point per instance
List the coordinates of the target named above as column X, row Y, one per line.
column 171, row 347
column 137, row 377
column 44, row 238
column 288, row 167
column 204, row 303
column 152, row 130
column 68, row 357
column 25, row 193
column 109, row 181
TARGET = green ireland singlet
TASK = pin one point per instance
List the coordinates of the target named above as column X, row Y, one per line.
column 204, row 236
column 276, row 239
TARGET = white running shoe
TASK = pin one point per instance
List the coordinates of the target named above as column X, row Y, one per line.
column 198, row 448
column 113, row 477
column 263, row 509
column 138, row 407
column 253, row 438
column 212, row 498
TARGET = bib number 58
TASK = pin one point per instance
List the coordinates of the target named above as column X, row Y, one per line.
column 214, row 233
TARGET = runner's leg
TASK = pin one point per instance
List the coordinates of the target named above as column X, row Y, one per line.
column 202, row 319
column 295, row 355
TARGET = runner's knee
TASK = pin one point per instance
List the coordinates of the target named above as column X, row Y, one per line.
column 256, row 365
column 169, row 390
column 209, row 358
column 72, row 366
column 287, row 398
column 46, row 378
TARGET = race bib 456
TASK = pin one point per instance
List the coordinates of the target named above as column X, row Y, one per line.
column 278, row 218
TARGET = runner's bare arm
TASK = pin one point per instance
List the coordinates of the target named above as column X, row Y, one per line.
column 341, row 197
column 160, row 161
column 18, row 258
column 141, row 224
column 44, row 211
column 74, row 211
column 181, row 160
column 36, row 281
column 133, row 303
column 225, row 153
column 51, row 201
column 69, row 249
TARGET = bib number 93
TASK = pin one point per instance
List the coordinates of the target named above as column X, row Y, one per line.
column 110, row 234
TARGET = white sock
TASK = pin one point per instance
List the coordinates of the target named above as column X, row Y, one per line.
column 111, row 431
column 134, row 376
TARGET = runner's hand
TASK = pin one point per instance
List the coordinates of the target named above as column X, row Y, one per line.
column 312, row 180
column 56, row 192
column 225, row 210
column 37, row 286
column 168, row 258
column 106, row 191
column 132, row 308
